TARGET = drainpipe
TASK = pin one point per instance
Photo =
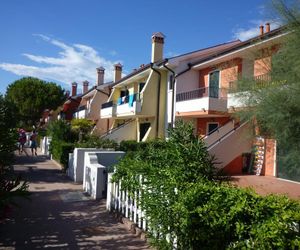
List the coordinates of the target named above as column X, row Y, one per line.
column 174, row 87
column 108, row 95
column 158, row 98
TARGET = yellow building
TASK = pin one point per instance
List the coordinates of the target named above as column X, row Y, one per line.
column 137, row 104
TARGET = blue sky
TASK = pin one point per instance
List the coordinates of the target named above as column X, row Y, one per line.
column 65, row 40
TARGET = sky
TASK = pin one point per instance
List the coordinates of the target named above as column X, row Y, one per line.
column 63, row 41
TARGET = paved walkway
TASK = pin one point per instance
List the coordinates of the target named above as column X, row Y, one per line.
column 268, row 185
column 59, row 215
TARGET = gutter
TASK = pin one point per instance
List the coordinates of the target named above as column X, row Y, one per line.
column 103, row 92
column 158, row 98
column 174, row 85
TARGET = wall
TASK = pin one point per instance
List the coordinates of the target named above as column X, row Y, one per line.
column 202, row 123
column 187, row 81
column 228, row 72
column 270, row 157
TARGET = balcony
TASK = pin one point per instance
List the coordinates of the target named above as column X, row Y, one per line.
column 128, row 105
column 202, row 100
column 81, row 112
column 108, row 110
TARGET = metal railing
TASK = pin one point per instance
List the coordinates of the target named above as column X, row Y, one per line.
column 116, row 128
column 213, row 92
column 107, row 105
column 83, row 107
column 260, row 81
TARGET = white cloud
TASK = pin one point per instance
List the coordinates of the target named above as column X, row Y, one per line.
column 76, row 62
column 245, row 34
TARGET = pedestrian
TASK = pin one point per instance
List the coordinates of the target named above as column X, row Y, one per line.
column 33, row 142
column 21, row 140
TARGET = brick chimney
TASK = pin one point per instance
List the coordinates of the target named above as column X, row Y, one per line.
column 118, row 72
column 261, row 30
column 157, row 46
column 74, row 88
column 85, row 86
column 268, row 27
column 67, row 93
column 100, row 75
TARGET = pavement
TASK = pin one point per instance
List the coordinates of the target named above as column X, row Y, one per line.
column 59, row 215
column 265, row 185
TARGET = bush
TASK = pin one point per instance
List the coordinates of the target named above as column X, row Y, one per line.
column 129, row 145
column 60, row 151
column 217, row 216
column 181, row 198
column 93, row 141
column 60, row 130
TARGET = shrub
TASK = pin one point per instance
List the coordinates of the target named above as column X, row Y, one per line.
column 60, row 151
column 93, row 141
column 60, row 130
column 130, row 145
column 181, row 198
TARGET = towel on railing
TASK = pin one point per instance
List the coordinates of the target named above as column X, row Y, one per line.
column 131, row 100
column 119, row 100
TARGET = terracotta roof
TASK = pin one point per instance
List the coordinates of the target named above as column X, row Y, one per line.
column 241, row 45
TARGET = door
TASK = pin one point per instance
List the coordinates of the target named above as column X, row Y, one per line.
column 143, row 130
column 214, row 84
column 211, row 127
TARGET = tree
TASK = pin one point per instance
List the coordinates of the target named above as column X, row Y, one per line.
column 10, row 184
column 275, row 106
column 31, row 96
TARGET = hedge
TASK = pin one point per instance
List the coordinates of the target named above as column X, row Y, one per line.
column 60, row 151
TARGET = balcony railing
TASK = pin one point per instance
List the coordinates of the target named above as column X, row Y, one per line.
column 212, row 92
column 260, row 81
column 130, row 99
column 107, row 105
column 83, row 107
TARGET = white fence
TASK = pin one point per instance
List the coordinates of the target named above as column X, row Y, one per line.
column 118, row 200
column 44, row 145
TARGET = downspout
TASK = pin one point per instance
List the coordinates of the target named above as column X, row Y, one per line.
column 174, row 87
column 108, row 95
column 158, row 98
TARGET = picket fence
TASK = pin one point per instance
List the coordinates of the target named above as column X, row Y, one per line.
column 119, row 201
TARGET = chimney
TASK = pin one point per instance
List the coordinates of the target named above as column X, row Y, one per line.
column 261, row 30
column 67, row 93
column 85, row 86
column 157, row 46
column 118, row 72
column 268, row 27
column 100, row 73
column 74, row 88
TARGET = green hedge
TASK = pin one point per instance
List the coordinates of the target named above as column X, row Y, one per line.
column 60, row 151
column 183, row 198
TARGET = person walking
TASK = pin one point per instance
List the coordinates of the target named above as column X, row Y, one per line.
column 33, row 142
column 21, row 140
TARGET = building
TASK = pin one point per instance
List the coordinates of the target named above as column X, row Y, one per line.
column 137, row 104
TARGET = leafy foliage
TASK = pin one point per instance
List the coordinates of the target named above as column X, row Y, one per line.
column 11, row 185
column 275, row 106
column 32, row 96
column 93, row 141
column 60, row 151
column 176, row 182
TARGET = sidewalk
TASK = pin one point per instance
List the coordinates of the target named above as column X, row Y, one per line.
column 59, row 215
column 265, row 185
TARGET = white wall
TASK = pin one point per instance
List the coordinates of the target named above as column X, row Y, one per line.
column 187, row 81
column 233, row 146
column 96, row 166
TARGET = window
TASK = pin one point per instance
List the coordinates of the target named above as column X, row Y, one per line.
column 171, row 83
column 212, row 127
column 214, row 78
